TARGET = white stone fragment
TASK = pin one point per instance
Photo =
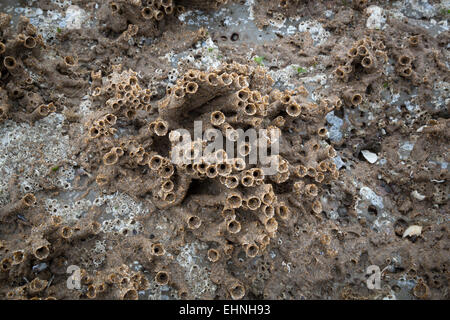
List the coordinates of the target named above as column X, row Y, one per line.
column 369, row 156
column 417, row 195
column 412, row 231
column 421, row 128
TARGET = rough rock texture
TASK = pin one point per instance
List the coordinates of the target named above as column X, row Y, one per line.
column 91, row 98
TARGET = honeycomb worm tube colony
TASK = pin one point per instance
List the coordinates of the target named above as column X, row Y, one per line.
column 194, row 149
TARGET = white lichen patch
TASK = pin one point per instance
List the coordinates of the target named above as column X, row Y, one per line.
column 99, row 253
column 441, row 98
column 70, row 211
column 251, row 12
column 284, row 77
column 278, row 20
column 318, row 33
column 172, row 75
column 207, row 55
column 182, row 17
column 422, row 14
column 376, row 19
column 318, row 78
column 85, row 106
column 416, row 8
column 32, row 150
column 48, row 22
column 75, row 17
column 197, row 277
column 120, row 211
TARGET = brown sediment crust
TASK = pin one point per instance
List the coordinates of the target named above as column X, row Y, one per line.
column 298, row 233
